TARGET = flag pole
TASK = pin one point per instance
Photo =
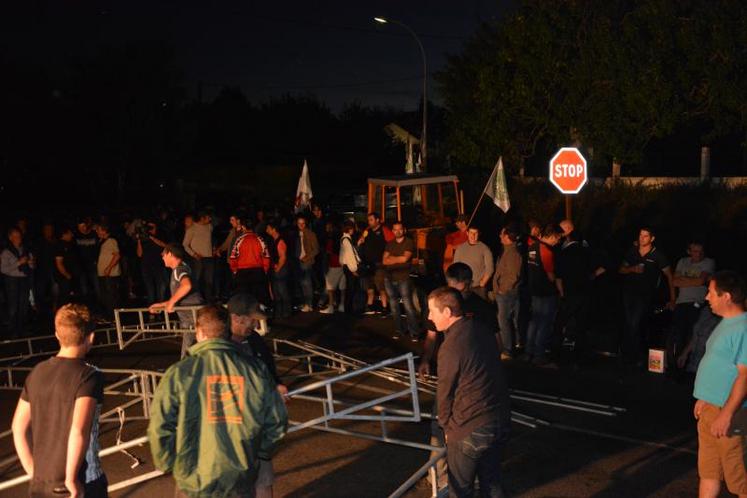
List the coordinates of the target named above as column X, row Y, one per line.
column 474, row 211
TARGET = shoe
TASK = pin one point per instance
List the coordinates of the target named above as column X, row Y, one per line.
column 369, row 310
column 341, row 308
column 328, row 310
column 506, row 356
column 397, row 335
column 413, row 339
column 306, row 308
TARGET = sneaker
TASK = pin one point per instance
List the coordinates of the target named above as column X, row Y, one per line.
column 328, row 310
column 306, row 308
column 369, row 310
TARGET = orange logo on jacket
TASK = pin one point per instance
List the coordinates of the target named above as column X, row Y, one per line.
column 225, row 398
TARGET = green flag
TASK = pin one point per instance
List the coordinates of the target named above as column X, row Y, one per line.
column 497, row 189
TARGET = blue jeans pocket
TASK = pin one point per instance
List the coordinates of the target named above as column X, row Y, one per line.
column 480, row 440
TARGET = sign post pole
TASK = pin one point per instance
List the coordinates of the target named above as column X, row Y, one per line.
column 568, row 172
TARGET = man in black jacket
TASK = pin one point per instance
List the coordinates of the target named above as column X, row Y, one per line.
column 472, row 395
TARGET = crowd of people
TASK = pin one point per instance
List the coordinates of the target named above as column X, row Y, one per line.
column 471, row 310
column 540, row 279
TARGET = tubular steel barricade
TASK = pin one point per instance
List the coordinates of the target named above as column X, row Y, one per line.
column 348, row 413
column 313, row 355
column 137, row 385
column 327, row 361
column 381, row 413
column 130, row 330
column 19, row 350
column 129, row 333
column 104, row 452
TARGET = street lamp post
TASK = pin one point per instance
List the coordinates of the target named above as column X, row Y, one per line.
column 424, row 134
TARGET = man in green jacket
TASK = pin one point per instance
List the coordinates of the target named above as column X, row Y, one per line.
column 215, row 414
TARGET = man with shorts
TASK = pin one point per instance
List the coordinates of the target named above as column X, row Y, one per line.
column 334, row 277
column 720, row 390
column 56, row 424
column 371, row 247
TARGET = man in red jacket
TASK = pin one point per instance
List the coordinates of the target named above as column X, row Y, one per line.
column 250, row 261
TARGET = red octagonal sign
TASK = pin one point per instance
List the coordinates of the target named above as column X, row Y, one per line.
column 568, row 170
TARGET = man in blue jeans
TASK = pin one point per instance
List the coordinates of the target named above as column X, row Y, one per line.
column 541, row 275
column 397, row 262
column 306, row 250
column 506, row 281
column 472, row 396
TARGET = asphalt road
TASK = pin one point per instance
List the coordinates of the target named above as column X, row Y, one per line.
column 648, row 450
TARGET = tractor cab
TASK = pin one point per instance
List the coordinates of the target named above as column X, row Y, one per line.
column 425, row 203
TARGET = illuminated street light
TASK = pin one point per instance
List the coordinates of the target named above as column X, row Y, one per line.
column 424, row 134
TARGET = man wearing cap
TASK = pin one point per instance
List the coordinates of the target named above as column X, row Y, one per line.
column 215, row 415
column 245, row 318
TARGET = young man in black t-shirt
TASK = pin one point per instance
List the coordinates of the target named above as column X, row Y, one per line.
column 88, row 252
column 371, row 246
column 66, row 267
column 397, row 262
column 55, row 426
column 642, row 269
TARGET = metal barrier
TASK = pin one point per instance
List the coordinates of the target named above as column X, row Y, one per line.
column 128, row 333
column 104, row 452
column 313, row 355
column 348, row 413
column 314, row 361
column 130, row 330
column 138, row 385
column 20, row 350
column 382, row 414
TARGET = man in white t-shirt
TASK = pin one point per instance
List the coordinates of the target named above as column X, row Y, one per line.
column 108, row 269
column 691, row 276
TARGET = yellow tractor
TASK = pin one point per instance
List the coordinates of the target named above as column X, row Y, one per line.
column 426, row 203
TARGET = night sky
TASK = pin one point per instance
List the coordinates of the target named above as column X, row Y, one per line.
column 332, row 49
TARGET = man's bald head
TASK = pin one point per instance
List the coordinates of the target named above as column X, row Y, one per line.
column 567, row 226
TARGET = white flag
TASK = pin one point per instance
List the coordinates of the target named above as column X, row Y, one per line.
column 497, row 189
column 303, row 192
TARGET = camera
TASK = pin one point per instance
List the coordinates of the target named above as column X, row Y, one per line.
column 142, row 231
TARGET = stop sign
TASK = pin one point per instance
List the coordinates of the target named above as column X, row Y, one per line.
column 568, row 170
